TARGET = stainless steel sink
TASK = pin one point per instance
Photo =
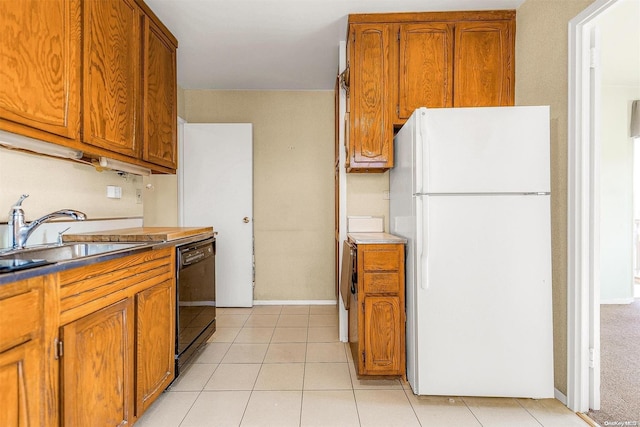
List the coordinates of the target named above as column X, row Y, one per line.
column 67, row 251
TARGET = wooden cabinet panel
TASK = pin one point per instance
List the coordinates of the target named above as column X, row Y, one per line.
column 111, row 75
column 382, row 342
column 40, row 67
column 369, row 80
column 160, row 92
column 20, row 379
column 484, row 69
column 425, row 70
column 155, row 342
column 97, row 368
column 23, row 382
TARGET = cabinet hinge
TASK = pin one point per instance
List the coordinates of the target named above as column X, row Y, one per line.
column 398, row 34
column 363, row 357
column 58, row 348
column 398, row 110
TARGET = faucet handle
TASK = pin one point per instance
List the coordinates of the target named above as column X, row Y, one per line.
column 60, row 233
column 16, row 208
column 20, row 200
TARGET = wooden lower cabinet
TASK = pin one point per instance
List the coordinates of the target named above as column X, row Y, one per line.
column 376, row 313
column 155, row 341
column 22, row 378
column 97, row 368
column 118, row 338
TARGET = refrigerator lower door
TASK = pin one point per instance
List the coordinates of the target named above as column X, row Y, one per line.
column 483, row 297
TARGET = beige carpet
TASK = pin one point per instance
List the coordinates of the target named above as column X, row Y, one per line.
column 619, row 365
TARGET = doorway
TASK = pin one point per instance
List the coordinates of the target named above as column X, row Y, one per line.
column 584, row 231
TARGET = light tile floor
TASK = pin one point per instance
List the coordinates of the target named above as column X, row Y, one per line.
column 284, row 366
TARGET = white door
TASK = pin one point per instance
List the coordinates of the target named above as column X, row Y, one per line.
column 217, row 190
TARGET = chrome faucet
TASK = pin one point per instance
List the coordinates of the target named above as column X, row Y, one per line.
column 20, row 230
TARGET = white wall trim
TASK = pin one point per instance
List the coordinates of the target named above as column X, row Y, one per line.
column 560, row 396
column 581, row 236
column 295, row 302
column 343, row 314
column 181, row 123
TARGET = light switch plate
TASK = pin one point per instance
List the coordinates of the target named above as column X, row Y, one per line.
column 114, row 192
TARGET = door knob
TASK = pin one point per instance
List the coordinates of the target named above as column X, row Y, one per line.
column 245, row 219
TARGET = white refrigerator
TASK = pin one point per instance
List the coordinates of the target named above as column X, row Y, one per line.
column 470, row 191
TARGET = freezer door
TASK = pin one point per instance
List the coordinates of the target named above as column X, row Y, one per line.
column 484, row 318
column 483, row 150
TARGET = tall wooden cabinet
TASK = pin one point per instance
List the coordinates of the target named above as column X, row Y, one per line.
column 401, row 61
column 370, row 126
column 376, row 312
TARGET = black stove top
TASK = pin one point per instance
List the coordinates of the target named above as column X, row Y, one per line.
column 9, row 265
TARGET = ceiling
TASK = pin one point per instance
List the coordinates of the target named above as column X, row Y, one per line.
column 274, row 44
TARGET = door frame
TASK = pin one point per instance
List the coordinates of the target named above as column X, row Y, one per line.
column 583, row 288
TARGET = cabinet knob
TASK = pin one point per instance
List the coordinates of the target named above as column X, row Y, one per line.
column 245, row 219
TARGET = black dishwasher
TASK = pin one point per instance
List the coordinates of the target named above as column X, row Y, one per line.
column 196, row 297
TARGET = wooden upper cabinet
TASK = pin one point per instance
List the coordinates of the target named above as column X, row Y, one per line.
column 401, row 61
column 371, row 130
column 160, row 93
column 111, row 75
column 425, row 69
column 484, row 64
column 40, row 67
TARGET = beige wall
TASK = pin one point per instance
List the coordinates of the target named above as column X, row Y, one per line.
column 54, row 184
column 541, row 79
column 365, row 195
column 293, row 184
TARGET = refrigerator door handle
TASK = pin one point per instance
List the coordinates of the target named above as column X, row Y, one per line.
column 419, row 141
column 420, row 243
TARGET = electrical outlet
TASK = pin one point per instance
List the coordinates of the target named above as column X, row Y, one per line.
column 139, row 196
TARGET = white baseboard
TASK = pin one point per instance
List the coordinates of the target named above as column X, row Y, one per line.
column 295, row 302
column 617, row 301
column 560, row 396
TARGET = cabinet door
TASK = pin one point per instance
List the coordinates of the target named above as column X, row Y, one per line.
column 425, row 71
column 371, row 139
column 382, row 342
column 160, row 105
column 111, row 75
column 484, row 69
column 40, row 67
column 155, row 342
column 97, row 368
column 20, row 377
